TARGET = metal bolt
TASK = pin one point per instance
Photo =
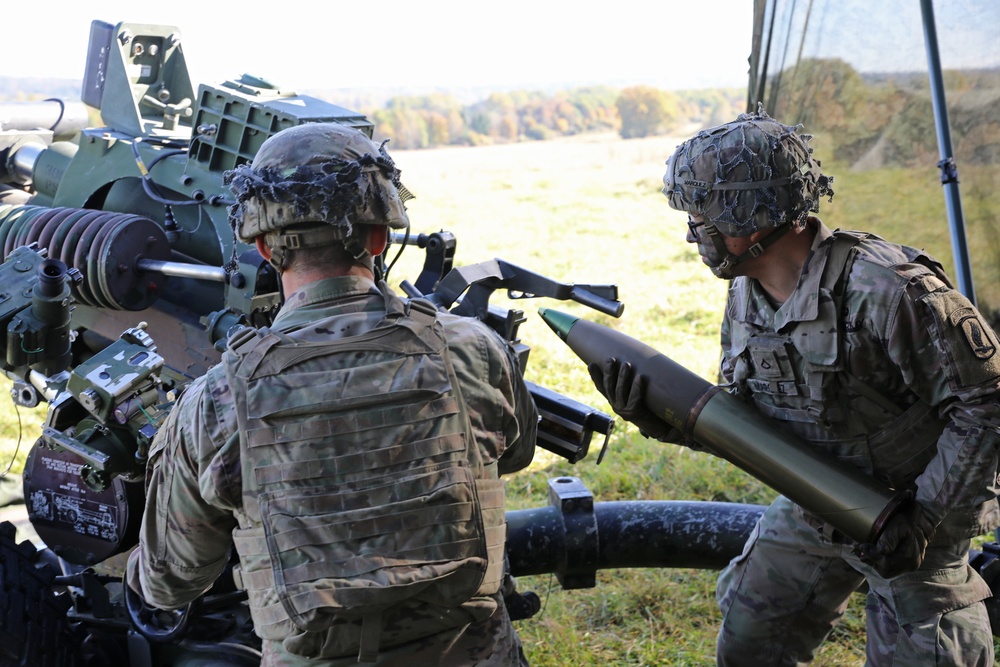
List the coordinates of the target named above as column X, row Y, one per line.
column 90, row 399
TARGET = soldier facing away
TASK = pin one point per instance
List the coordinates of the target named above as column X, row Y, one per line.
column 352, row 451
column 862, row 348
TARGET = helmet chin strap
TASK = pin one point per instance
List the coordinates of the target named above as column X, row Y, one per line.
column 724, row 268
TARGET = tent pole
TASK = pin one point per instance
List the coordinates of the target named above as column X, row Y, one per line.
column 949, row 170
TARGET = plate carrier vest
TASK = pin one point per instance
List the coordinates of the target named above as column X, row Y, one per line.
column 359, row 465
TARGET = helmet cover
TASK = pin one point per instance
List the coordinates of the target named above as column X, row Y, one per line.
column 320, row 173
column 746, row 175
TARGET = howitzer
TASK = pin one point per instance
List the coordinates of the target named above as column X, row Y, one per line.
column 121, row 279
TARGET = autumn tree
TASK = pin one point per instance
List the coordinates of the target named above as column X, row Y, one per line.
column 645, row 111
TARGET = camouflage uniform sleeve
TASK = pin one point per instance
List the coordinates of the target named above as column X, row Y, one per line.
column 522, row 428
column 186, row 527
column 948, row 355
column 503, row 414
column 726, row 368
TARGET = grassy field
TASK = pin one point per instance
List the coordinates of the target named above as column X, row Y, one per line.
column 589, row 210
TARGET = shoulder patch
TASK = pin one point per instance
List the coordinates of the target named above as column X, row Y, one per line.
column 975, row 331
column 970, row 344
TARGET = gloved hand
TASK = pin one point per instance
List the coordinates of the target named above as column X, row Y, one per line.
column 625, row 390
column 902, row 544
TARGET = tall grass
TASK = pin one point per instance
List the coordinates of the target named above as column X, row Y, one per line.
column 589, row 210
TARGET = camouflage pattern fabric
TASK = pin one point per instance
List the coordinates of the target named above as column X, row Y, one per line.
column 194, row 494
column 781, row 598
column 373, row 499
column 903, row 385
column 746, row 175
column 317, row 172
column 488, row 643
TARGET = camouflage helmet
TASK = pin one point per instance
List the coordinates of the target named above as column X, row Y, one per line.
column 747, row 175
column 327, row 174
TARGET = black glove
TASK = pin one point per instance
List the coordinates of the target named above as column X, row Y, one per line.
column 902, row 544
column 625, row 390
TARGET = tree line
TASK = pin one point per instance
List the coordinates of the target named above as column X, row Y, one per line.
column 427, row 121
column 875, row 121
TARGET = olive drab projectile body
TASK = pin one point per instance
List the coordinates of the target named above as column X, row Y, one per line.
column 841, row 495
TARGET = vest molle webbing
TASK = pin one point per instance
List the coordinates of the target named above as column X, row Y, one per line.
column 359, row 465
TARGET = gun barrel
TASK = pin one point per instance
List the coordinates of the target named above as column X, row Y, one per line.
column 836, row 492
column 62, row 118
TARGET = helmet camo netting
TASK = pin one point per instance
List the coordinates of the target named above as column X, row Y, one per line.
column 317, row 173
column 747, row 175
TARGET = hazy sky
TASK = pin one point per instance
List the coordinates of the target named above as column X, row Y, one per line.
column 429, row 43
column 888, row 35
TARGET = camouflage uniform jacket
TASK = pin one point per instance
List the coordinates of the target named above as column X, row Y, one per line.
column 194, row 496
column 902, row 382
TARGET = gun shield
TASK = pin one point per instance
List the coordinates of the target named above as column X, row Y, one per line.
column 832, row 490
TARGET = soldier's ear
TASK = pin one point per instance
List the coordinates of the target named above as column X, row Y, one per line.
column 378, row 238
column 263, row 248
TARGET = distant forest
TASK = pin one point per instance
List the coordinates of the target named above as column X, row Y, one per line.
column 637, row 111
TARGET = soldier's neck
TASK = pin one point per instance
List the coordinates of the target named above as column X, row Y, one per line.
column 292, row 281
column 779, row 274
